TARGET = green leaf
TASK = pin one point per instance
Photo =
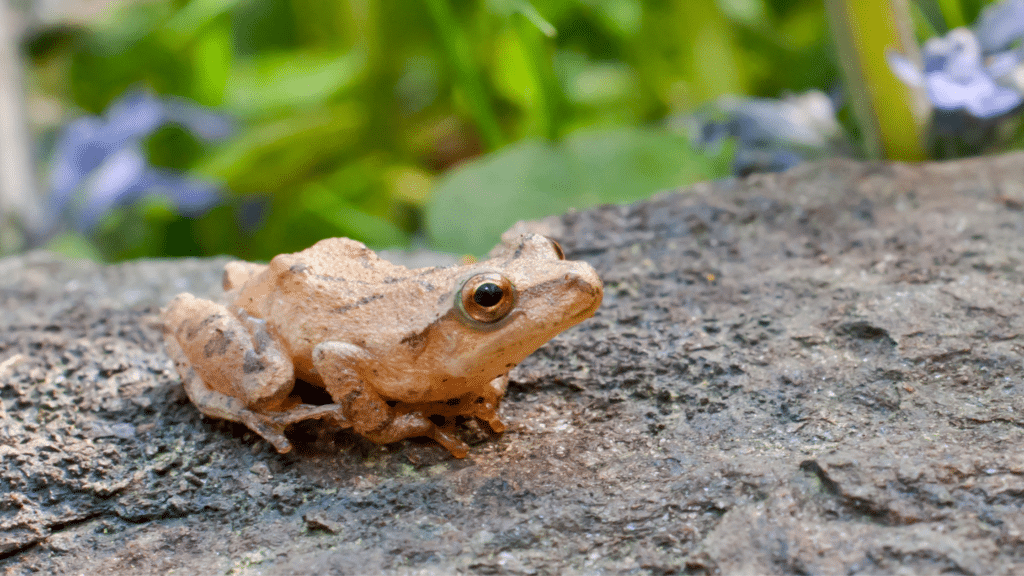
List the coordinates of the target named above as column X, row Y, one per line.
column 212, row 60
column 280, row 155
column 74, row 245
column 890, row 114
column 952, row 11
column 475, row 203
column 291, row 80
column 317, row 212
column 195, row 15
column 348, row 220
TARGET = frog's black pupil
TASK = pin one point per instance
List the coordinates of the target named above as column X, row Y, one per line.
column 488, row 294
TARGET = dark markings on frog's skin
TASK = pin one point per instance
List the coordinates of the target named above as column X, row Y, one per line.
column 299, row 268
column 426, row 285
column 262, row 340
column 252, row 363
column 351, row 397
column 197, row 328
column 326, row 278
column 433, row 269
column 217, row 345
column 453, row 401
column 357, row 303
column 417, row 341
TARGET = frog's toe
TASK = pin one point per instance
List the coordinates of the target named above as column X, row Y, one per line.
column 457, row 447
column 268, row 429
column 493, row 422
column 334, row 413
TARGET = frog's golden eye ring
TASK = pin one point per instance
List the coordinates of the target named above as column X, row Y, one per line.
column 488, row 297
column 557, row 247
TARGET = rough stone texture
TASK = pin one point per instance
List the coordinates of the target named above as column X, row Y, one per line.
column 817, row 372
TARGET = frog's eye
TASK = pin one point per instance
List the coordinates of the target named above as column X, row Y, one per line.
column 488, row 297
column 557, row 247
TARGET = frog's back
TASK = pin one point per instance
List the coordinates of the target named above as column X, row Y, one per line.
column 334, row 258
column 340, row 290
column 338, row 275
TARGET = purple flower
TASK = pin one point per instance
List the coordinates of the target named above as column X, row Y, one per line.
column 955, row 76
column 771, row 135
column 1000, row 25
column 99, row 164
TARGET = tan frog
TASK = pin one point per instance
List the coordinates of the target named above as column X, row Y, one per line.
column 401, row 352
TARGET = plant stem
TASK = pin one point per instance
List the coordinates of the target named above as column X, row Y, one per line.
column 891, row 115
column 555, row 109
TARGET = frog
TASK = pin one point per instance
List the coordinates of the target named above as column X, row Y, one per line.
column 400, row 352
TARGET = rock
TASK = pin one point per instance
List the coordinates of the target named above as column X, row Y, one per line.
column 811, row 372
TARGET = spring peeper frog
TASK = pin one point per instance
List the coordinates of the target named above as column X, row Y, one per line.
column 401, row 352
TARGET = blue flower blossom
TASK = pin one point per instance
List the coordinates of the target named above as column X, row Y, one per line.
column 99, row 162
column 771, row 135
column 957, row 77
column 972, row 70
column 1000, row 25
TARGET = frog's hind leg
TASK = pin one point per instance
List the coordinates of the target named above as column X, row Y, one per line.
column 232, row 368
column 219, row 405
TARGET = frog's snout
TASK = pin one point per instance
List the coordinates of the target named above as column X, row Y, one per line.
column 584, row 282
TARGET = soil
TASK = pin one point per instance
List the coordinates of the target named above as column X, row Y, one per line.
column 816, row 372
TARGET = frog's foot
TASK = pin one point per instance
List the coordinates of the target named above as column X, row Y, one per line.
column 217, row 405
column 486, row 410
column 415, row 424
column 268, row 429
column 493, row 422
column 486, row 405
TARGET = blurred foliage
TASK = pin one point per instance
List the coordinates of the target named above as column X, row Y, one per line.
column 532, row 179
column 352, row 112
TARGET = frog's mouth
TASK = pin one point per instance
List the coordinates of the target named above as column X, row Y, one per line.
column 587, row 290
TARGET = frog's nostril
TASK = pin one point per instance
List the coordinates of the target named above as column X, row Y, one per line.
column 586, row 281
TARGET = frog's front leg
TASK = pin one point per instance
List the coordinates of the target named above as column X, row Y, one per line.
column 340, row 366
column 233, row 369
column 486, row 405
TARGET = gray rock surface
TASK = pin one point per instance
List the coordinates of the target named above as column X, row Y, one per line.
column 817, row 372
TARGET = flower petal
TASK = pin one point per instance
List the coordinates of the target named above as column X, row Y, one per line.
column 121, row 178
column 1000, row 25
column 904, row 69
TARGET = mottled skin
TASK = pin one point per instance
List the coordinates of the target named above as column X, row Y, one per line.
column 398, row 350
